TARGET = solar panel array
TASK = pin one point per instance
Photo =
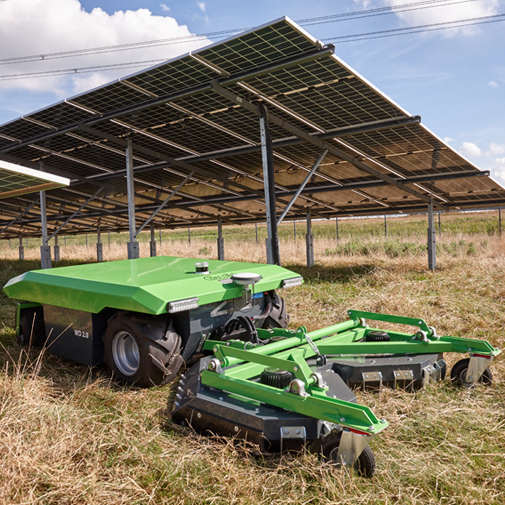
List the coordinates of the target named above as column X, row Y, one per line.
column 17, row 180
column 184, row 130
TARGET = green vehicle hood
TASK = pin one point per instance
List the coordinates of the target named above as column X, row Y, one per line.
column 141, row 285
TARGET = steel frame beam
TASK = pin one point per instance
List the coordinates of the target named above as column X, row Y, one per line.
column 45, row 250
column 299, row 59
column 133, row 246
column 432, row 239
column 272, row 241
column 321, row 144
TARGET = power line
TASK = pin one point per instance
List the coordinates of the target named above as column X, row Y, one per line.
column 346, row 16
column 381, row 11
column 447, row 25
column 337, row 39
column 82, row 70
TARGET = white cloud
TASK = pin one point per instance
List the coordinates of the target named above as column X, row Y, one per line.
column 201, row 6
column 498, row 172
column 164, row 7
column 448, row 140
column 493, row 84
column 471, row 149
column 451, row 12
column 37, row 27
column 495, row 149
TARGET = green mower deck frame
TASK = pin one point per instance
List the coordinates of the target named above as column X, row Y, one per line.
column 233, row 392
column 236, row 366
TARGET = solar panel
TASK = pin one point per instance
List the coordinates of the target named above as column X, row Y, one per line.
column 185, row 127
column 16, row 180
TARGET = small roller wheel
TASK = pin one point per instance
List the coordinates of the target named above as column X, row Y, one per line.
column 364, row 464
column 377, row 336
column 458, row 374
column 276, row 378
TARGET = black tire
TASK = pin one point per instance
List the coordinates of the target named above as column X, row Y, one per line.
column 364, row 464
column 377, row 336
column 142, row 350
column 31, row 327
column 458, row 374
column 278, row 316
column 276, row 377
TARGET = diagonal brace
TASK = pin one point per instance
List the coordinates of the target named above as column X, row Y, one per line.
column 92, row 197
column 302, row 187
column 167, row 199
column 15, row 220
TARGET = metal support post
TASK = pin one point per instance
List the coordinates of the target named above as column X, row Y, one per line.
column 499, row 219
column 439, row 225
column 294, row 230
column 386, row 225
column 133, row 245
column 338, row 231
column 189, row 236
column 309, row 241
column 256, row 227
column 86, row 240
column 152, row 245
column 220, row 240
column 99, row 246
column 160, row 237
column 56, row 249
column 21, row 249
column 272, row 241
column 432, row 239
column 45, row 250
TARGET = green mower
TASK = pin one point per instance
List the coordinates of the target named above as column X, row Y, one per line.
column 247, row 375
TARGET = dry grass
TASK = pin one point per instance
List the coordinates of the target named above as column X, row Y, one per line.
column 70, row 436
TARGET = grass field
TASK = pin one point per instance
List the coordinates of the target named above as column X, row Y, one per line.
column 69, row 435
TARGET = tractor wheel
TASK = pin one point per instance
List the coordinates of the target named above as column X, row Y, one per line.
column 141, row 350
column 458, row 374
column 278, row 316
column 31, row 327
column 364, row 465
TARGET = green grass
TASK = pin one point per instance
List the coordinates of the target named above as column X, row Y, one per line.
column 406, row 227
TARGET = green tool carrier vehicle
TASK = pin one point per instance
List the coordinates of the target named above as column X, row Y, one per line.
column 252, row 378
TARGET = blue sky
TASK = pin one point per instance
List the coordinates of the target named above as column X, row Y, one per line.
column 454, row 79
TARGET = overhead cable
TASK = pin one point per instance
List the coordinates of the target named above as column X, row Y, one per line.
column 346, row 16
